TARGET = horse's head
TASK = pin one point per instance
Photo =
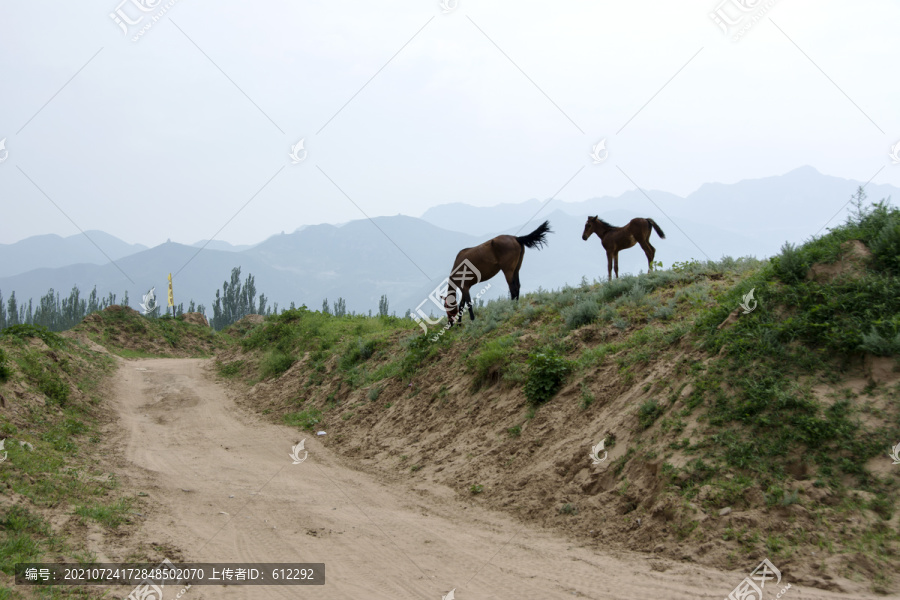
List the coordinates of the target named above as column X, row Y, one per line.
column 589, row 227
column 451, row 305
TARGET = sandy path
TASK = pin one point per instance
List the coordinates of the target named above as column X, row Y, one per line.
column 180, row 430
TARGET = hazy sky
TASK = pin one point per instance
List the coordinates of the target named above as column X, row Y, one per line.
column 402, row 107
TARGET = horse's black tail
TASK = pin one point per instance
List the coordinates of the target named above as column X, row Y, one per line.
column 537, row 238
column 656, row 228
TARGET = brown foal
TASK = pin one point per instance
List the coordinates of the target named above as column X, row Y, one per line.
column 621, row 238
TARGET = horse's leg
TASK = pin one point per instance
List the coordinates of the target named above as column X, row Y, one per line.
column 650, row 251
column 609, row 265
column 616, row 263
column 516, row 284
column 512, row 276
column 512, row 282
column 468, row 301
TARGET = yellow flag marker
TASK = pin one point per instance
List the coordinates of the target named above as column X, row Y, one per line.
column 171, row 296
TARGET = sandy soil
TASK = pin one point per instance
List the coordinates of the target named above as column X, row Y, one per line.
column 221, row 487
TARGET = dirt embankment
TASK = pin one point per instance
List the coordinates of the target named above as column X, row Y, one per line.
column 215, row 482
column 483, row 442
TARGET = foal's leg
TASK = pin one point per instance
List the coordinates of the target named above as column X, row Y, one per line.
column 650, row 251
column 609, row 265
column 616, row 262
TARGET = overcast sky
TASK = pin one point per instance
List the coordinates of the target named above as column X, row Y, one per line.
column 401, row 106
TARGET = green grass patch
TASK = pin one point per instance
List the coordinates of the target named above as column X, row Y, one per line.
column 109, row 515
column 305, row 419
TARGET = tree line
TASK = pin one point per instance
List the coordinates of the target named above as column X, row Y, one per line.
column 233, row 302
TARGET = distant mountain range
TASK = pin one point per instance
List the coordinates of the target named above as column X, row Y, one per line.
column 767, row 211
column 51, row 250
column 406, row 257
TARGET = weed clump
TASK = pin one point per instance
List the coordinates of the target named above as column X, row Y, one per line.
column 547, row 372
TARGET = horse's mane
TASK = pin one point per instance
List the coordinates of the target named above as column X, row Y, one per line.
column 602, row 222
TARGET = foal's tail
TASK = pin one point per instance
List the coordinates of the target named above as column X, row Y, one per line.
column 537, row 238
column 656, row 228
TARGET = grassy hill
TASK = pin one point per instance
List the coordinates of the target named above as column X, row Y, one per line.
column 52, row 492
column 56, row 499
column 731, row 436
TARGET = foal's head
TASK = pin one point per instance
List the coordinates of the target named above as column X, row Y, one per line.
column 589, row 227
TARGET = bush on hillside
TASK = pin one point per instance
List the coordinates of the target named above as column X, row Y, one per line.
column 584, row 312
column 547, row 371
column 885, row 247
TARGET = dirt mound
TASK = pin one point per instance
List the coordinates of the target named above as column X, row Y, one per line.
column 850, row 264
column 195, row 318
column 244, row 326
column 128, row 333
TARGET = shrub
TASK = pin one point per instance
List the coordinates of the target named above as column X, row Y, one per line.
column 790, row 266
column 568, row 509
column 879, row 344
column 608, row 313
column 490, row 362
column 5, row 371
column 665, row 312
column 582, row 313
column 587, row 398
column 230, row 369
column 649, row 412
column 637, row 296
column 617, row 287
column 621, row 324
column 275, row 362
column 886, row 247
column 547, row 371
column 361, row 352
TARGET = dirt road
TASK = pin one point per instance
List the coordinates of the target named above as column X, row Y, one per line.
column 222, row 488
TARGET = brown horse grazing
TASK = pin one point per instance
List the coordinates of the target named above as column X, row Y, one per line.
column 621, row 238
column 474, row 265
